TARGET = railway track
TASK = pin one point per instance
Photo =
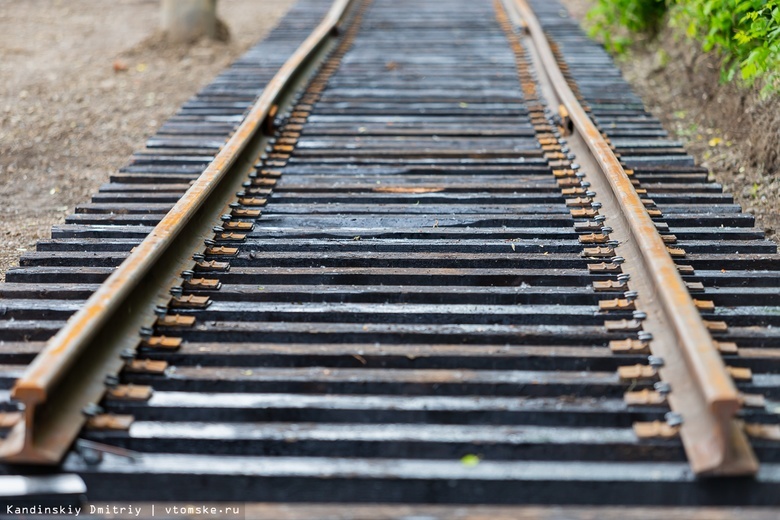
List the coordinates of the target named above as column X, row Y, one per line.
column 444, row 256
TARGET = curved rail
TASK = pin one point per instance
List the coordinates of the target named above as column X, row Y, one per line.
column 46, row 432
column 713, row 440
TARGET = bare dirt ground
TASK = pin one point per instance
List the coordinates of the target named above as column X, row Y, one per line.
column 69, row 112
column 729, row 129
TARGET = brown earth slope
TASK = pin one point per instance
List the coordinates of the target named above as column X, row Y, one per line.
column 70, row 115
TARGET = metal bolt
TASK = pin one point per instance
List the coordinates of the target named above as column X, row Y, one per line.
column 574, row 166
column 127, row 354
column 160, row 311
column 630, row 295
column 584, row 184
column 226, row 217
column 590, row 194
column 599, row 219
column 617, row 260
column 673, row 419
column 623, row 277
column 564, row 149
column 218, row 229
column 241, row 193
column 209, row 242
column 91, row 410
column 606, row 230
column 177, row 291
column 571, row 156
column 662, row 387
column 111, row 381
column 246, row 184
column 146, row 333
column 234, row 205
column 89, row 456
column 199, row 257
column 595, row 205
column 655, row 361
column 187, row 275
column 579, row 175
column 639, row 315
column 612, row 243
column 643, row 335
column 562, row 141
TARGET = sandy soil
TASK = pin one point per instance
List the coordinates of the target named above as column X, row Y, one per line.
column 68, row 118
column 729, row 129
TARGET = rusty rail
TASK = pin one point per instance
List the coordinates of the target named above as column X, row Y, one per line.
column 51, row 422
column 705, row 395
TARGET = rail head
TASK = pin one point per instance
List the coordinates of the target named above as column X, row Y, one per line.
column 39, row 385
column 711, row 436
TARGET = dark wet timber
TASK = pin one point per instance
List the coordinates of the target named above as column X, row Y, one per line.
column 410, row 315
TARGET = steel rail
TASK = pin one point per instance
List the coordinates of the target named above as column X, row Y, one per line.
column 47, row 430
column 703, row 393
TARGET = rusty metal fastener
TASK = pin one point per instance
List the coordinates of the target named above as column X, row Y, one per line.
column 655, row 430
column 636, row 372
column 583, row 212
column 175, row 320
column 204, row 284
column 644, row 397
column 603, row 267
column 616, row 304
column 716, row 326
column 608, row 285
column 770, row 432
column 592, row 238
column 230, row 237
column 238, row 226
column 146, row 366
column 108, row 421
column 598, row 252
column 212, row 265
column 753, row 400
column 163, row 342
column 190, row 301
column 704, row 305
column 622, row 325
column 726, row 347
column 629, row 346
column 130, row 393
column 740, row 373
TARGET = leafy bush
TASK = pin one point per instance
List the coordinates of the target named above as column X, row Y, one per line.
column 744, row 33
column 635, row 16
